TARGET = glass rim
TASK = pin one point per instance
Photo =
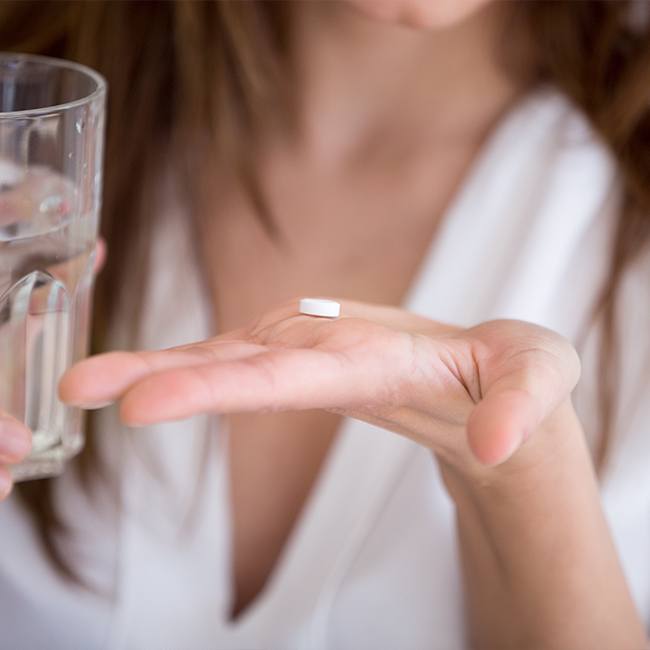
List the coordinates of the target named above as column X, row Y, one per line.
column 98, row 92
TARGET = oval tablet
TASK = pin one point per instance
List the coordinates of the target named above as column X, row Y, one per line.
column 320, row 307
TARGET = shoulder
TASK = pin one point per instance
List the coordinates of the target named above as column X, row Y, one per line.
column 547, row 119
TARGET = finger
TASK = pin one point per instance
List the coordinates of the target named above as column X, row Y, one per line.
column 100, row 255
column 15, row 440
column 6, row 483
column 277, row 380
column 517, row 403
column 500, row 424
column 101, row 379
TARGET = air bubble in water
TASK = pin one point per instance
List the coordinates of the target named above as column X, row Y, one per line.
column 51, row 204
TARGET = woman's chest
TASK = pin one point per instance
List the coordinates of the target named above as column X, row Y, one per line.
column 360, row 234
column 250, row 274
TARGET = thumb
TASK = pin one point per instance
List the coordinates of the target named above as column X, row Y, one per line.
column 100, row 255
column 519, row 400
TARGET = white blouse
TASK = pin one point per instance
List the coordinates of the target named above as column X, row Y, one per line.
column 372, row 563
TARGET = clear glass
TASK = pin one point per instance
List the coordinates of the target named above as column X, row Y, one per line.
column 51, row 141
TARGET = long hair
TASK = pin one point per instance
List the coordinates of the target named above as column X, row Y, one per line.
column 205, row 69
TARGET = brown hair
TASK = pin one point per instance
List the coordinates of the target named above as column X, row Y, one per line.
column 177, row 69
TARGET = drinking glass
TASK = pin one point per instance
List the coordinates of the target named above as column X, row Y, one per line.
column 51, row 141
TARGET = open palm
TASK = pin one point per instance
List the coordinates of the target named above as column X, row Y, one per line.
column 485, row 388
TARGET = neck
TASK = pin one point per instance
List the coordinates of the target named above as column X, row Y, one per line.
column 357, row 78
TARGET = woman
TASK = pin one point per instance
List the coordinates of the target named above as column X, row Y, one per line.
column 440, row 169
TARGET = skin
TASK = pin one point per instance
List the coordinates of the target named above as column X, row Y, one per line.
column 492, row 403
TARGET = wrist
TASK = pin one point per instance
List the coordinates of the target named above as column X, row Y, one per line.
column 536, row 545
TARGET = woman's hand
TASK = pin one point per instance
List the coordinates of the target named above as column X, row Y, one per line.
column 532, row 536
column 486, row 388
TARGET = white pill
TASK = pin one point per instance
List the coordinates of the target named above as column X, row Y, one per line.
column 320, row 307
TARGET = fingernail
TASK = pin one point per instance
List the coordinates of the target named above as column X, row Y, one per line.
column 15, row 441
column 97, row 405
column 90, row 406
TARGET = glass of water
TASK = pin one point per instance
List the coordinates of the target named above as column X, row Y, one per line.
column 51, row 140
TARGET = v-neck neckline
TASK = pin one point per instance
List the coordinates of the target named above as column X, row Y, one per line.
column 331, row 511
column 342, row 499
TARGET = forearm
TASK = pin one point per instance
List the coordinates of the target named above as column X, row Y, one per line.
column 540, row 567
